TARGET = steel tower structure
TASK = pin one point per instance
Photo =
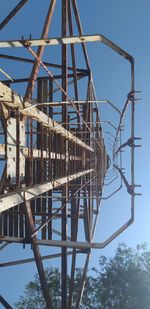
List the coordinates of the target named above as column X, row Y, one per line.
column 53, row 154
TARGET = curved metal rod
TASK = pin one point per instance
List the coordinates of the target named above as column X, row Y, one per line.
column 111, row 171
column 108, row 122
column 110, row 141
column 122, row 115
column 111, row 175
column 106, row 132
column 114, row 146
column 109, row 183
column 113, row 193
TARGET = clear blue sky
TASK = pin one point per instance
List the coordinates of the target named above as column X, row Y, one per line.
column 127, row 23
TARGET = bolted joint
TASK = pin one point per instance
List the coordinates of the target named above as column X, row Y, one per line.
column 130, row 189
column 130, row 142
column 130, row 96
column 25, row 43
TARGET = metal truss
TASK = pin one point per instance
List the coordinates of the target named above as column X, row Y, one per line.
column 53, row 149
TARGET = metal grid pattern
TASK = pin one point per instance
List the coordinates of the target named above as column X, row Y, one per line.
column 53, row 149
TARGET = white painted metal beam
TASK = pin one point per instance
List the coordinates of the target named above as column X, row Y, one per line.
column 37, row 153
column 17, row 197
column 12, row 99
column 67, row 40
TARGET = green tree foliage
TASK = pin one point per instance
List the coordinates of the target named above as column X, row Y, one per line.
column 123, row 282
column 120, row 282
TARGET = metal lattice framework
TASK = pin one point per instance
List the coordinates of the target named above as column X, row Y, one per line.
column 53, row 151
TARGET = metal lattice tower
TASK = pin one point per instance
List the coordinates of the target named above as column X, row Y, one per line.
column 52, row 147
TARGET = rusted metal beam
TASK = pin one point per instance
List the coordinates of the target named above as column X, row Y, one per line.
column 78, row 21
column 37, row 256
column 3, row 178
column 43, row 258
column 12, row 13
column 48, row 64
column 75, row 209
column 64, row 146
column 73, row 57
column 59, row 76
column 5, row 303
column 55, row 209
column 73, row 244
column 82, row 282
column 40, row 51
